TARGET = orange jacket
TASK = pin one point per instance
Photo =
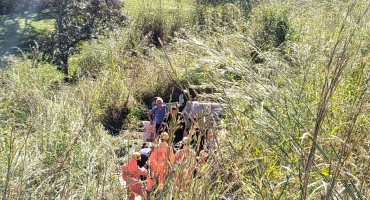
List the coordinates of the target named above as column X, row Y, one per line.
column 131, row 170
column 184, row 169
column 159, row 154
column 187, row 153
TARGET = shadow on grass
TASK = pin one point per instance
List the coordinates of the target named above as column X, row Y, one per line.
column 17, row 31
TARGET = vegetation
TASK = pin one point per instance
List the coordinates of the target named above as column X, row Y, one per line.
column 77, row 22
column 14, row 6
column 294, row 75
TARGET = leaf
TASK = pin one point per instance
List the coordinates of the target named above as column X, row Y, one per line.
column 325, row 171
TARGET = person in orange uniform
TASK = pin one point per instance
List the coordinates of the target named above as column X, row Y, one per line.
column 158, row 160
column 185, row 164
column 131, row 173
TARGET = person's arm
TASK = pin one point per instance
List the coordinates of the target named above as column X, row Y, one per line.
column 167, row 118
column 142, row 171
column 124, row 172
column 171, row 156
column 150, row 116
column 166, row 113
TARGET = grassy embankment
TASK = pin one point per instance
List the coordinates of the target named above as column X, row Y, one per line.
column 297, row 125
column 18, row 31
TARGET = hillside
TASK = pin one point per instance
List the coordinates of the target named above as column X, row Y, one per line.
column 294, row 76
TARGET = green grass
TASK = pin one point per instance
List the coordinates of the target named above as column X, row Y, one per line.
column 133, row 8
column 296, row 126
column 20, row 30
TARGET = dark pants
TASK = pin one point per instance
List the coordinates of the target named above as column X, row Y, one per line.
column 157, row 126
column 179, row 135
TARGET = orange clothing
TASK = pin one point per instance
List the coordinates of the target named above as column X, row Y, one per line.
column 186, row 157
column 131, row 175
column 159, row 154
column 157, row 161
column 185, row 165
column 179, row 156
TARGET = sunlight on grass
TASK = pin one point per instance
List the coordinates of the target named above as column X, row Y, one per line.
column 20, row 30
column 134, row 7
column 296, row 119
column 44, row 24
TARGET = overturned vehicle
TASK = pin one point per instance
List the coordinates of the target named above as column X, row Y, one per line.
column 203, row 112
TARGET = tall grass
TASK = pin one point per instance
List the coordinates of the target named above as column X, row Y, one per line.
column 278, row 111
column 296, row 124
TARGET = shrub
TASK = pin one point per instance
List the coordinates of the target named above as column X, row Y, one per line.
column 89, row 66
column 75, row 23
column 272, row 27
column 113, row 118
column 244, row 5
column 153, row 31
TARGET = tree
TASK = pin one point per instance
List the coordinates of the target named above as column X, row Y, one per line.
column 76, row 21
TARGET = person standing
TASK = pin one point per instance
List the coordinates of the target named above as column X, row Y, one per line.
column 175, row 115
column 131, row 173
column 185, row 165
column 159, row 113
column 176, row 124
column 158, row 159
column 183, row 98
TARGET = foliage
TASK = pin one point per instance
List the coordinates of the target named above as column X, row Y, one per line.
column 295, row 127
column 14, row 6
column 273, row 27
column 113, row 118
column 245, row 6
column 77, row 22
column 157, row 25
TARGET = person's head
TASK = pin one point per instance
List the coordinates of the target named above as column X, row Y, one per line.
column 174, row 110
column 165, row 136
column 136, row 156
column 184, row 142
column 159, row 102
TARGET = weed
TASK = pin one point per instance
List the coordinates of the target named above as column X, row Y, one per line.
column 294, row 128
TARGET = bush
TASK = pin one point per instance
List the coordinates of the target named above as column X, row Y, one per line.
column 244, row 5
column 114, row 117
column 89, row 66
column 76, row 23
column 272, row 27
